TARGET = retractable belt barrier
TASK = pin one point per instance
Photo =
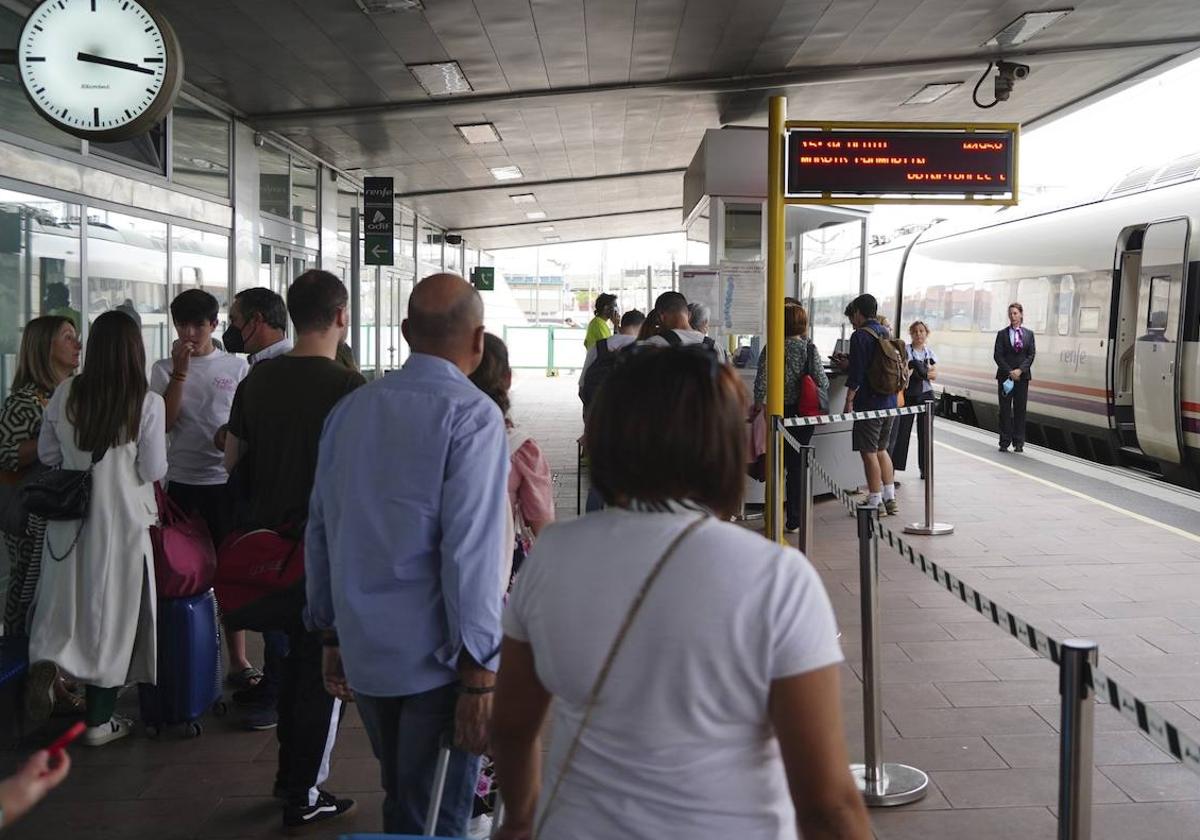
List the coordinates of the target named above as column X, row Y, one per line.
column 872, row 414
column 1082, row 682
column 1160, row 730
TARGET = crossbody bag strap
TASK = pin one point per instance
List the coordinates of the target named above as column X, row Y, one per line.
column 602, row 677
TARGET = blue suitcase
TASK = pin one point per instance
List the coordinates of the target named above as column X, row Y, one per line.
column 189, row 665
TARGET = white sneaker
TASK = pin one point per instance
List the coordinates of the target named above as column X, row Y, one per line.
column 117, row 727
column 480, row 828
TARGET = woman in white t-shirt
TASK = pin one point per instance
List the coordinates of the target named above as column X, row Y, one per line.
column 717, row 714
column 922, row 365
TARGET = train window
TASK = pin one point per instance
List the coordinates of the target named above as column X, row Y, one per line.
column 1089, row 319
column 1064, row 303
column 1034, row 295
column 992, row 305
column 1159, row 312
column 960, row 309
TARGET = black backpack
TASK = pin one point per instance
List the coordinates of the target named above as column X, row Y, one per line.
column 672, row 338
column 598, row 371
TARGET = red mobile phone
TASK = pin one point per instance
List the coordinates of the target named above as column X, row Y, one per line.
column 64, row 740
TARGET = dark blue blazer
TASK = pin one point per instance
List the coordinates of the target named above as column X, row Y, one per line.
column 1008, row 359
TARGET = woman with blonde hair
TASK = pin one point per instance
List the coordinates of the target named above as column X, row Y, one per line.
column 95, row 611
column 49, row 354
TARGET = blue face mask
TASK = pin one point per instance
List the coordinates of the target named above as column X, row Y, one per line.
column 1008, row 386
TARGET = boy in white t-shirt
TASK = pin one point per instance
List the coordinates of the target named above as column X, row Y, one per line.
column 197, row 383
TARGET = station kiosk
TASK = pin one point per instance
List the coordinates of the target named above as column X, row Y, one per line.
column 725, row 206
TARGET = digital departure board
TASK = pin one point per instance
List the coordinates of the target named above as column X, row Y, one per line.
column 879, row 162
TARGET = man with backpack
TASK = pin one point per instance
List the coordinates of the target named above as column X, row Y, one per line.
column 875, row 373
column 676, row 329
column 631, row 323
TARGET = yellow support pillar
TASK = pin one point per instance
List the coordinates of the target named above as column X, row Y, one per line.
column 776, row 130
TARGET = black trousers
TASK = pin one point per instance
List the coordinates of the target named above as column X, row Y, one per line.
column 791, row 467
column 903, row 435
column 211, row 501
column 308, row 720
column 1012, row 412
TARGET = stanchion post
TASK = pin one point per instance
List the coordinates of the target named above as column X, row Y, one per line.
column 1075, row 741
column 881, row 784
column 928, row 528
column 774, row 495
column 805, row 540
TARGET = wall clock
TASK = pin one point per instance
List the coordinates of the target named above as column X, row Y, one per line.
column 100, row 69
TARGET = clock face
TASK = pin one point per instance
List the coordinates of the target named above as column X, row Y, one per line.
column 101, row 69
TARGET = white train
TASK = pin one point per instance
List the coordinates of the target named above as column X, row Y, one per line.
column 1111, row 286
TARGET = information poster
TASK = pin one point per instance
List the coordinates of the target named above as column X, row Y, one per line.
column 743, row 294
column 700, row 284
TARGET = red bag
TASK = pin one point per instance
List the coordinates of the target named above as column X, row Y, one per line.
column 260, row 574
column 809, row 403
column 184, row 559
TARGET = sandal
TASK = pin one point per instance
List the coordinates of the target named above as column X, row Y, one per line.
column 245, row 678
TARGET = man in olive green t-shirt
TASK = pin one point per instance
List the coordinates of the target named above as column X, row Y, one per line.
column 601, row 326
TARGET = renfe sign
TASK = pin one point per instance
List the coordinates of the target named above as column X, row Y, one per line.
column 826, row 163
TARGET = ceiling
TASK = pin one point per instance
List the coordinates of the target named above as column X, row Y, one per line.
column 590, row 95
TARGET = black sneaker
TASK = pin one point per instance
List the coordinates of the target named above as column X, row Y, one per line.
column 300, row 817
column 260, row 694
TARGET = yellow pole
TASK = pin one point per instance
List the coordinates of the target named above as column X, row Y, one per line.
column 774, row 345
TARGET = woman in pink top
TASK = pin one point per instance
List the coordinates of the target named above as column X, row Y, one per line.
column 530, row 489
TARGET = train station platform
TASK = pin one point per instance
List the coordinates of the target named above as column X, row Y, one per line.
column 1074, row 549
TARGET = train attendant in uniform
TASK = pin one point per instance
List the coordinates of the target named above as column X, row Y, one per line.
column 1014, row 356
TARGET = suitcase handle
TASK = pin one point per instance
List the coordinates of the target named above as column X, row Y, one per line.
column 439, row 787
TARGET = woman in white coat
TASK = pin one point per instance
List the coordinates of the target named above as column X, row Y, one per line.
column 94, row 615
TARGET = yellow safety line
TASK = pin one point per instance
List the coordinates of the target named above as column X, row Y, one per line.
column 1179, row 532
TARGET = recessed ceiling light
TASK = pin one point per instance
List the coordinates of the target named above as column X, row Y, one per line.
column 535, row 215
column 546, row 229
column 442, row 79
column 522, row 198
column 554, row 239
column 931, row 93
column 381, row 7
column 1025, row 27
column 476, row 133
column 506, row 173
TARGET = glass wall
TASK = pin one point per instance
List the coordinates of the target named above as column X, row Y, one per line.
column 304, row 192
column 200, row 260
column 148, row 152
column 274, row 181
column 39, row 269
column 200, row 149
column 127, row 264
column 429, row 250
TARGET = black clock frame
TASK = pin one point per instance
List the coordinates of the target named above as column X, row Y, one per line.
column 156, row 111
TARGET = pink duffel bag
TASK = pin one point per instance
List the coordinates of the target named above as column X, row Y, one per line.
column 184, row 558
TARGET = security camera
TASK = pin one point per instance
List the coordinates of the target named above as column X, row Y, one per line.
column 1007, row 74
column 1012, row 70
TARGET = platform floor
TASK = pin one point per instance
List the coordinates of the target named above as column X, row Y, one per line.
column 1074, row 549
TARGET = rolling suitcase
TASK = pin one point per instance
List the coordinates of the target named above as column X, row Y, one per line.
column 435, row 805
column 189, row 665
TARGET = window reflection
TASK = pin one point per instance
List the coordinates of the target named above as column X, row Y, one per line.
column 127, row 264
column 200, row 149
column 39, row 269
column 304, row 192
column 274, row 190
column 200, row 260
column 147, row 151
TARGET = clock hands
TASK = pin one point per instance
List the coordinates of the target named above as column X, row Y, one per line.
column 112, row 62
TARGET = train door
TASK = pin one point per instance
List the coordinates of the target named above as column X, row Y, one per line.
column 1157, row 347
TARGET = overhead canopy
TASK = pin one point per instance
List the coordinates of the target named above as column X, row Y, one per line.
column 602, row 103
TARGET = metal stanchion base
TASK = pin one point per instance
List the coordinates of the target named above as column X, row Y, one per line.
column 934, row 530
column 901, row 785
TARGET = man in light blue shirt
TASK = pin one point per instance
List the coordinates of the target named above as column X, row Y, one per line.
column 405, row 556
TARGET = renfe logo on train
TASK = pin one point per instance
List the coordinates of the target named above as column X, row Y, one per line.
column 830, row 162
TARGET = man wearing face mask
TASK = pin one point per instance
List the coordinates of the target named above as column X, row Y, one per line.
column 257, row 326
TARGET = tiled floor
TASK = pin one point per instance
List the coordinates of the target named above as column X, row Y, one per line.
column 975, row 709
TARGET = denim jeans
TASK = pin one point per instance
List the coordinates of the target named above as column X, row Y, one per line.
column 406, row 736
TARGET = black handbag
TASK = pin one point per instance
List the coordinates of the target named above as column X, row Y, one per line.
column 14, row 516
column 61, row 494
